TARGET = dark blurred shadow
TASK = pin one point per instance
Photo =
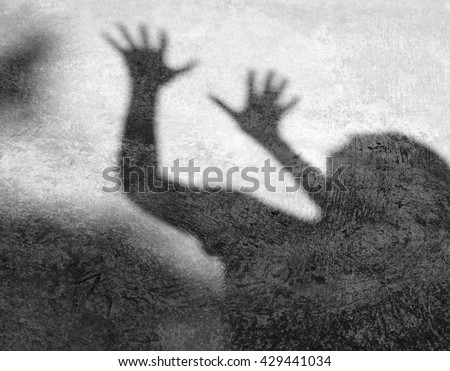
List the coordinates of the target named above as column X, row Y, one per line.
column 19, row 69
column 65, row 288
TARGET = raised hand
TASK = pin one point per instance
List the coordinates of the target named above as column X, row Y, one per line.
column 147, row 63
column 263, row 111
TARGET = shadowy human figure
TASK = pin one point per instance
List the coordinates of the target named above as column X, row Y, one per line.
column 375, row 263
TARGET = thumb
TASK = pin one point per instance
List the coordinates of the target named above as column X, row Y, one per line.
column 224, row 106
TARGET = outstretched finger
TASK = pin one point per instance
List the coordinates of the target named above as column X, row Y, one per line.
column 163, row 41
column 126, row 35
column 268, row 87
column 186, row 68
column 224, row 106
column 282, row 86
column 113, row 42
column 251, row 85
column 294, row 101
column 144, row 35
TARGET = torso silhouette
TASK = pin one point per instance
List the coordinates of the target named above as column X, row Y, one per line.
column 378, row 250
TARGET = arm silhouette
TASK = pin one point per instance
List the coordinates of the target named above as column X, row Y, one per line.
column 261, row 116
column 149, row 72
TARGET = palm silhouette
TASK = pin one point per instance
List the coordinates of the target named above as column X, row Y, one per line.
column 263, row 111
column 146, row 63
column 149, row 72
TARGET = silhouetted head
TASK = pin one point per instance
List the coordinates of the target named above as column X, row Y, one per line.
column 19, row 68
column 385, row 173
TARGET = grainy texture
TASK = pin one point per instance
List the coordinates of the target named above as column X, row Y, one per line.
column 84, row 270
